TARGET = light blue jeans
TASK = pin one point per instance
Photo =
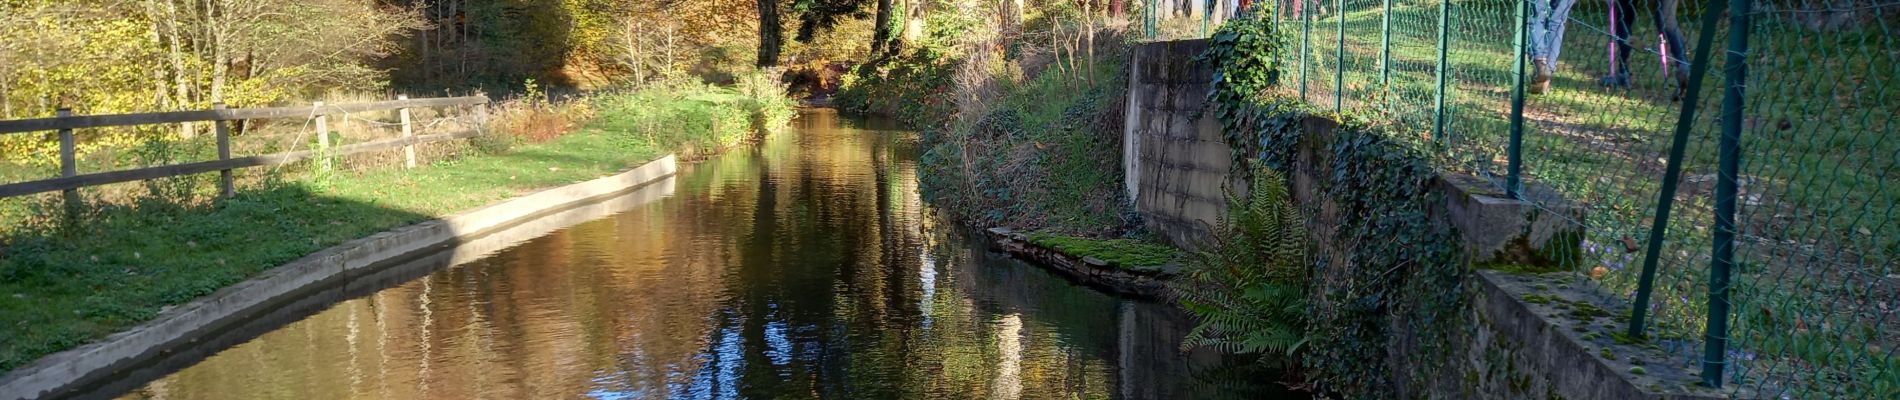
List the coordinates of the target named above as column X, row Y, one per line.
column 1548, row 18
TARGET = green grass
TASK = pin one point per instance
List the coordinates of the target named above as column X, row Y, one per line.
column 62, row 285
column 1120, row 253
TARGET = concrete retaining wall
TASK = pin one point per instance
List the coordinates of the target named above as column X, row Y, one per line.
column 1174, row 156
column 1178, row 167
column 94, row 364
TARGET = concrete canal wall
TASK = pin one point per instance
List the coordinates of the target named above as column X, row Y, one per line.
column 1174, row 157
column 457, row 238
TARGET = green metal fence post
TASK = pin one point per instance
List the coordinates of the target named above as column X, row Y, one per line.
column 1306, row 42
column 1339, row 59
column 1148, row 19
column 1444, row 64
column 1385, row 43
column 1672, row 174
column 1514, row 155
column 1715, row 339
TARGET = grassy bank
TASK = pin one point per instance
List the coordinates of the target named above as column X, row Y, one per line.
column 1030, row 142
column 63, row 283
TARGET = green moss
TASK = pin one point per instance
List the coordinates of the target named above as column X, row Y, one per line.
column 1638, row 370
column 1120, row 253
column 1537, row 299
column 1624, row 338
column 1586, row 311
column 1519, row 269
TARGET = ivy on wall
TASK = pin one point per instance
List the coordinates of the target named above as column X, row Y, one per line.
column 1389, row 293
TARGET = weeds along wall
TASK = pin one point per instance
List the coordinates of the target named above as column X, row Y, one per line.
column 1387, row 284
column 1042, row 156
column 1011, row 135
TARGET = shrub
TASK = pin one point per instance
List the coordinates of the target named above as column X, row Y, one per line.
column 493, row 141
column 914, row 88
column 692, row 117
column 1247, row 287
column 768, row 99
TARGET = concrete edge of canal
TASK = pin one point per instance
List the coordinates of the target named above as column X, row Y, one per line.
column 89, row 364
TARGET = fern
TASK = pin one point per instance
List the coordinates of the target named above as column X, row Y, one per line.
column 1248, row 287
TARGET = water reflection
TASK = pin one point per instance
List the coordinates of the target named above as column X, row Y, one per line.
column 806, row 267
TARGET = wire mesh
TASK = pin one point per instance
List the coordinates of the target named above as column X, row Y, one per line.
column 1816, row 296
column 1814, row 308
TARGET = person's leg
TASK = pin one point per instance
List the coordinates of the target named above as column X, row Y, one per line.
column 1536, row 28
column 1559, row 18
column 1673, row 45
column 1536, row 46
column 1621, row 12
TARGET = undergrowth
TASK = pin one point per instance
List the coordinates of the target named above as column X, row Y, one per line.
column 1394, row 284
column 1045, row 155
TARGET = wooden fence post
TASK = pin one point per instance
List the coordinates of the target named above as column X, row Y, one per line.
column 408, row 131
column 69, row 163
column 223, row 128
column 323, row 137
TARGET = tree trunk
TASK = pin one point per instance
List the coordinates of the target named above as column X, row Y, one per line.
column 632, row 44
column 770, row 34
column 1012, row 31
column 218, row 25
column 1088, row 44
column 672, row 34
column 424, row 42
column 161, row 95
column 881, row 31
column 461, row 37
column 914, row 28
column 180, row 77
column 6, row 103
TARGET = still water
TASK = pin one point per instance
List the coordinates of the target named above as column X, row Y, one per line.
column 805, row 267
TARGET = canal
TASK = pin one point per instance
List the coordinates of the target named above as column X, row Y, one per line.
column 804, row 267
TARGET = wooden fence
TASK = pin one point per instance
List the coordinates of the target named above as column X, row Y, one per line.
column 70, row 180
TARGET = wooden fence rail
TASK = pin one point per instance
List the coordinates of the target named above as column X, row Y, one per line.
column 70, row 181
column 100, row 121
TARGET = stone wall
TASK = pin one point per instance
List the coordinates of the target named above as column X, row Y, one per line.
column 1175, row 159
column 1178, row 171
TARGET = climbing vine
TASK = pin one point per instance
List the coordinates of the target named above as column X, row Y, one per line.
column 1246, row 57
column 1388, row 288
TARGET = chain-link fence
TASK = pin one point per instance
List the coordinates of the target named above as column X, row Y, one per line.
column 1768, row 124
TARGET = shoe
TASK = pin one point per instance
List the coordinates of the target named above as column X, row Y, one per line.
column 1540, row 76
column 1617, row 80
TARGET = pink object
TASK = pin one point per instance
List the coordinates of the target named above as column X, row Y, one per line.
column 1613, row 35
column 1663, row 44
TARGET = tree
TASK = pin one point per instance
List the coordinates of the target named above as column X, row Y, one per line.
column 770, row 33
column 118, row 56
column 881, row 31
